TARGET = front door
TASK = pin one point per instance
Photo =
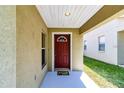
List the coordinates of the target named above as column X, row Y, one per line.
column 62, row 51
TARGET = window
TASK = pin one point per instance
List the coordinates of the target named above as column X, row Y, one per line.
column 43, row 63
column 62, row 39
column 101, row 41
column 85, row 45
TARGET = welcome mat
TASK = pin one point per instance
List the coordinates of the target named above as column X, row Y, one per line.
column 62, row 73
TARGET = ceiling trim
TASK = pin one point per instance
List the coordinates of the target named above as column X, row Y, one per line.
column 104, row 13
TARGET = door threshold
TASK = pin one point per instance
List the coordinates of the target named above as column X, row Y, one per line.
column 62, row 69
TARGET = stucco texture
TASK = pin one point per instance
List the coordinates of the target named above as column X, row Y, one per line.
column 7, row 46
column 77, row 47
column 29, row 25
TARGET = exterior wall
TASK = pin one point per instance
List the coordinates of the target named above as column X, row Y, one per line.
column 28, row 37
column 109, row 30
column 7, row 46
column 77, row 55
column 121, row 48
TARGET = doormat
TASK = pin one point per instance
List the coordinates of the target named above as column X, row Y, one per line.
column 63, row 73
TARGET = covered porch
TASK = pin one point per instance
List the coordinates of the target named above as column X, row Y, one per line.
column 51, row 37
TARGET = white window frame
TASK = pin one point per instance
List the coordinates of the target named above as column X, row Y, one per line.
column 100, row 43
column 84, row 45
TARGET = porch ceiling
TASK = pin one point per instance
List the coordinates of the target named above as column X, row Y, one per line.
column 84, row 17
column 55, row 17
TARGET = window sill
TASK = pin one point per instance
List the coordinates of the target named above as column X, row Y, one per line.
column 101, row 51
column 43, row 66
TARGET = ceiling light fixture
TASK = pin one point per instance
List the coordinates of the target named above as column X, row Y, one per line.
column 67, row 13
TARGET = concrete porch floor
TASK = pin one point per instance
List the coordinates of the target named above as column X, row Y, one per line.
column 76, row 79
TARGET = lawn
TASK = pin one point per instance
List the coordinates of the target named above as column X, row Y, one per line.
column 103, row 74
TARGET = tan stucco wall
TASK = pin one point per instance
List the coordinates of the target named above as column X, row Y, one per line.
column 28, row 37
column 77, row 49
column 7, row 46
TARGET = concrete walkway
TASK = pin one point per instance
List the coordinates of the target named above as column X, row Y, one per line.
column 74, row 80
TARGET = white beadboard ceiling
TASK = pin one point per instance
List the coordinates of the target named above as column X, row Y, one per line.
column 54, row 17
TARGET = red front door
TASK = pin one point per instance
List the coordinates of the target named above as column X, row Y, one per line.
column 62, row 51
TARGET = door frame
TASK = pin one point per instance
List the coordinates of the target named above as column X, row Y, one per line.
column 53, row 48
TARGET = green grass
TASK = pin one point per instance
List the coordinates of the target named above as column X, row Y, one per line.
column 103, row 72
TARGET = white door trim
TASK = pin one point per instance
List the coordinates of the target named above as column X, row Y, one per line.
column 53, row 60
